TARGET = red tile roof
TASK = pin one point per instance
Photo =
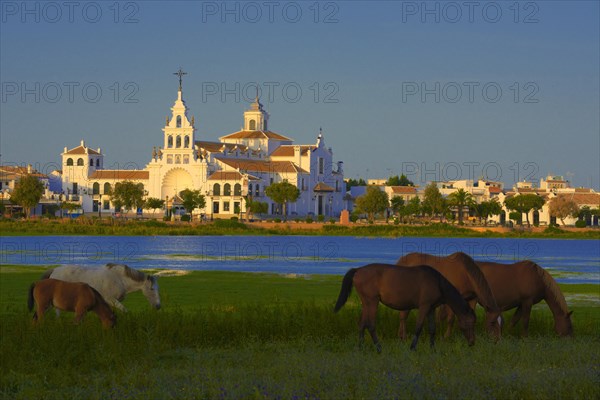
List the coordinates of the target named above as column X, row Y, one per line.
column 82, row 150
column 404, row 189
column 288, row 150
column 323, row 187
column 255, row 135
column 261, row 165
column 120, row 174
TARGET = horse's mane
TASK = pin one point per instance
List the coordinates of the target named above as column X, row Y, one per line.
column 452, row 295
column 484, row 293
column 552, row 289
column 134, row 274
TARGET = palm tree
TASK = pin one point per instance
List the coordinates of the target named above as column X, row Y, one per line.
column 461, row 199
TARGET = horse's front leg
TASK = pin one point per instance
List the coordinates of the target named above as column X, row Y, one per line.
column 119, row 305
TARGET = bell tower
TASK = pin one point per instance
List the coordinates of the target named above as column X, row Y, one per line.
column 179, row 131
column 256, row 118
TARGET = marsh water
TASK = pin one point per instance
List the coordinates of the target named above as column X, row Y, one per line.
column 569, row 261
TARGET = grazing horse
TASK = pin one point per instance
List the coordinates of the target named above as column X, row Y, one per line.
column 404, row 288
column 464, row 274
column 524, row 284
column 68, row 296
column 113, row 281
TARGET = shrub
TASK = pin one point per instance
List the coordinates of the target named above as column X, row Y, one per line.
column 309, row 220
column 580, row 223
column 277, row 220
column 332, row 220
column 186, row 218
column 228, row 223
column 297, row 220
column 353, row 217
column 320, row 218
column 233, row 218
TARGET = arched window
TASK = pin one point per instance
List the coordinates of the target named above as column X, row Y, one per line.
column 257, row 187
column 227, row 189
column 252, row 125
column 80, row 161
column 250, row 189
column 69, row 161
column 237, row 189
column 216, row 189
column 97, row 162
column 96, row 188
column 178, row 142
column 186, row 142
column 107, row 188
column 177, row 159
column 186, row 159
column 179, row 121
column 170, row 159
column 170, row 142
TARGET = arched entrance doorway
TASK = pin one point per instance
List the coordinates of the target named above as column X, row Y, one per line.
column 174, row 181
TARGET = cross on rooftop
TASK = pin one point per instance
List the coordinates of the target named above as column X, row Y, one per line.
column 180, row 74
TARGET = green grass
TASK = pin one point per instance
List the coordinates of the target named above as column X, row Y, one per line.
column 244, row 335
column 89, row 226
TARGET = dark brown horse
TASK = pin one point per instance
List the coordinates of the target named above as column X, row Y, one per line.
column 522, row 285
column 68, row 296
column 403, row 288
column 464, row 274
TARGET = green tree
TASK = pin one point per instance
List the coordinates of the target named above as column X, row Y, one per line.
column 524, row 203
column 355, row 182
column 397, row 204
column 562, row 207
column 516, row 216
column 283, row 192
column 70, row 207
column 413, row 208
column 401, row 180
column 255, row 207
column 433, row 201
column 461, row 199
column 27, row 193
column 486, row 209
column 128, row 194
column 152, row 203
column 191, row 199
column 372, row 202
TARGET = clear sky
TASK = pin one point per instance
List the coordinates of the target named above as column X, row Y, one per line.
column 436, row 90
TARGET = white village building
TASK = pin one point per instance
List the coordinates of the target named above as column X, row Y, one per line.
column 240, row 164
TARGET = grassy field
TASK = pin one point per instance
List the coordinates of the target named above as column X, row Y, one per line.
column 94, row 226
column 244, row 335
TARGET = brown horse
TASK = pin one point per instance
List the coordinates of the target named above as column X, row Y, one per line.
column 464, row 274
column 404, row 289
column 68, row 296
column 524, row 284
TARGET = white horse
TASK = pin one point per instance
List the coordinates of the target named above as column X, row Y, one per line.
column 113, row 281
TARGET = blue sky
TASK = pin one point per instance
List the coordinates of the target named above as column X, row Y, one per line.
column 436, row 90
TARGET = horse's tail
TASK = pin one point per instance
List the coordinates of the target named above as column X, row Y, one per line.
column 345, row 290
column 48, row 273
column 484, row 293
column 553, row 293
column 30, row 300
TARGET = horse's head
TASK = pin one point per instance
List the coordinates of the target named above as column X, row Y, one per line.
column 493, row 323
column 466, row 323
column 563, row 325
column 150, row 290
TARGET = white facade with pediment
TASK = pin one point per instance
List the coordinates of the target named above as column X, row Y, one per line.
column 237, row 166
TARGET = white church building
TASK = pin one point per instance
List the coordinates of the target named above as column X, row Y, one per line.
column 237, row 166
